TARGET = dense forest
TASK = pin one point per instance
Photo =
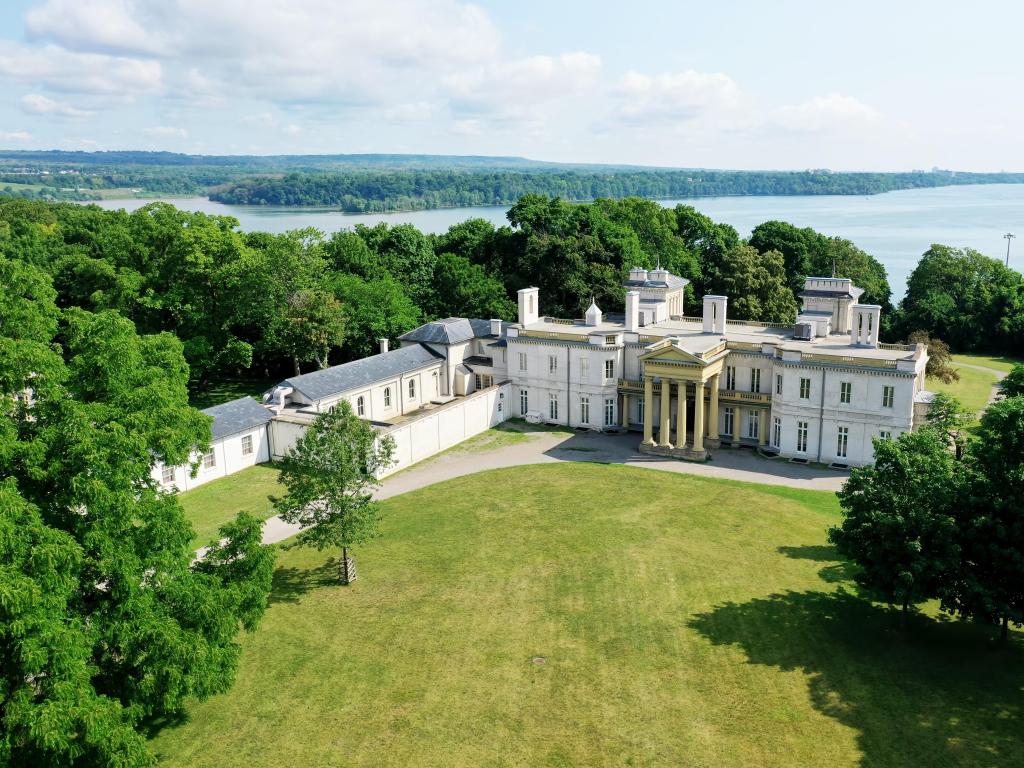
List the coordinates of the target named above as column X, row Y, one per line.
column 259, row 304
column 368, row 191
column 372, row 183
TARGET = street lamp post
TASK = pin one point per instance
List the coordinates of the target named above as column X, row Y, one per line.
column 1009, row 236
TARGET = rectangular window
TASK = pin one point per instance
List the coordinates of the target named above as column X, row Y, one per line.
column 552, row 363
column 640, row 411
column 777, row 432
column 524, row 402
column 209, row 460
column 247, row 445
column 584, row 409
column 755, row 379
column 885, row 435
column 753, row 425
column 584, row 370
column 610, row 340
column 609, row 412
column 730, row 417
column 609, row 370
column 888, row 393
column 778, row 384
column 522, row 361
column 167, row 475
column 805, row 389
column 801, row 437
column 553, row 406
column 730, row 377
column 845, row 390
column 842, row 442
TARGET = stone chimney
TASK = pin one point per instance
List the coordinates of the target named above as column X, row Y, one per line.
column 383, row 345
column 632, row 310
column 529, row 305
column 638, row 275
column 714, row 314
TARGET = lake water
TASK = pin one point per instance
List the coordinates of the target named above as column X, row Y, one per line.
column 896, row 227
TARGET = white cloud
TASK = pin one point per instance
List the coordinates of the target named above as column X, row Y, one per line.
column 674, row 96
column 37, row 104
column 825, row 112
column 466, row 127
column 309, row 50
column 511, row 85
column 167, row 132
column 292, row 129
column 416, row 112
column 106, row 26
column 61, row 70
column 15, row 135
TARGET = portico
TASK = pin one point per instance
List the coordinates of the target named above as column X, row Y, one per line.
column 678, row 371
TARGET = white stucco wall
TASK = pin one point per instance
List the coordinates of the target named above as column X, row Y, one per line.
column 228, row 459
column 447, row 425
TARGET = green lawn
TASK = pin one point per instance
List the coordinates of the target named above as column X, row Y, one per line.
column 590, row 615
column 1003, row 363
column 210, row 506
column 973, row 389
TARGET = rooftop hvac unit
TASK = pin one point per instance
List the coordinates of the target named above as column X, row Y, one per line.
column 803, row 331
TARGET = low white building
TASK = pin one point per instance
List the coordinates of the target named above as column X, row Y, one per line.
column 240, row 438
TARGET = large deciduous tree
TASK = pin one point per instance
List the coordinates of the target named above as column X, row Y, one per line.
column 329, row 475
column 991, row 583
column 756, row 285
column 899, row 525
column 106, row 619
column 1013, row 384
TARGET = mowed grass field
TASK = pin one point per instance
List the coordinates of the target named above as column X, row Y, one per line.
column 588, row 615
column 209, row 506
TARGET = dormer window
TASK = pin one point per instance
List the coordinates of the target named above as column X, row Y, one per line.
column 610, row 340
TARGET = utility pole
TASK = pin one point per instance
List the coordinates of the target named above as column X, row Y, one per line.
column 1009, row 236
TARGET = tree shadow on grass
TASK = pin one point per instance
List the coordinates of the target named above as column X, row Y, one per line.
column 935, row 694
column 841, row 570
column 290, row 584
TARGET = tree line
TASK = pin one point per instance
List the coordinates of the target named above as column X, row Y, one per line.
column 366, row 191
column 261, row 304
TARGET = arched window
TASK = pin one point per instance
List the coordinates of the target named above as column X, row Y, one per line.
column 412, row 389
column 387, row 397
column 360, row 406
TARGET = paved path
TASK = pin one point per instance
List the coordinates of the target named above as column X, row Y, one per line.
column 550, row 447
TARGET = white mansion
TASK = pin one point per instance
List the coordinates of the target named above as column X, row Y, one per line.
column 819, row 389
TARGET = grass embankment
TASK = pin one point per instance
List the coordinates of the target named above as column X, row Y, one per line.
column 209, row 506
column 218, row 392
column 580, row 614
column 998, row 363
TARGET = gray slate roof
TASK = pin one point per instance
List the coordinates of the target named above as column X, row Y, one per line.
column 359, row 373
column 236, row 416
column 451, row 330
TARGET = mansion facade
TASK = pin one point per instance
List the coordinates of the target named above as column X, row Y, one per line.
column 820, row 389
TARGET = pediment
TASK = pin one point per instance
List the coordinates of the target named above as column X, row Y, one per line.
column 669, row 350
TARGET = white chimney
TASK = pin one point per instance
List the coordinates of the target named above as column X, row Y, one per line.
column 865, row 321
column 714, row 314
column 529, row 310
column 594, row 314
column 495, row 327
column 383, row 345
column 632, row 310
column 638, row 275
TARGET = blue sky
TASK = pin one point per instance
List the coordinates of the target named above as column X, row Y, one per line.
column 871, row 85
